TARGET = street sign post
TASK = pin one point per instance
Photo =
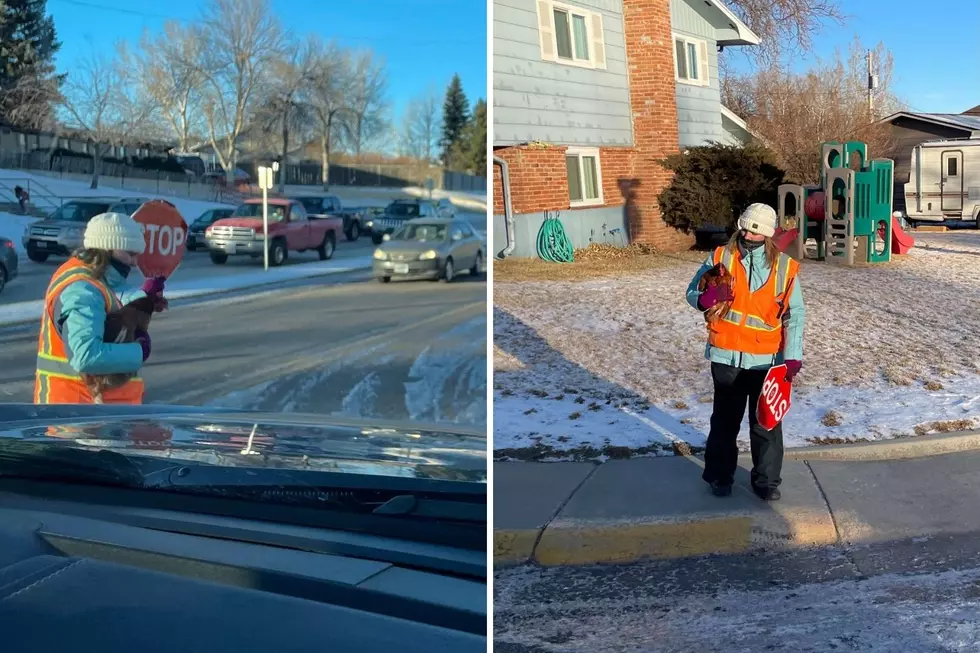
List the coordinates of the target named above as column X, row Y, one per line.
column 265, row 183
column 165, row 232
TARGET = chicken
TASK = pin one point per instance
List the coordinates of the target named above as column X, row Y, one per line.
column 120, row 327
column 717, row 275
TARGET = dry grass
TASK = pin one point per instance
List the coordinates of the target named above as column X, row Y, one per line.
column 595, row 261
column 831, row 418
column 949, row 426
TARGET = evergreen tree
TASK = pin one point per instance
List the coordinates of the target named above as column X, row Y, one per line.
column 470, row 154
column 28, row 44
column 455, row 117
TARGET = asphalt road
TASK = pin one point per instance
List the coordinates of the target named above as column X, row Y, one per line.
column 33, row 278
column 919, row 595
column 340, row 344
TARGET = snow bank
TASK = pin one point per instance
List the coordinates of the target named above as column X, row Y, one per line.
column 29, row 311
column 889, row 351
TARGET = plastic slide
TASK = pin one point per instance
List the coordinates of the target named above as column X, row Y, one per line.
column 901, row 241
column 783, row 239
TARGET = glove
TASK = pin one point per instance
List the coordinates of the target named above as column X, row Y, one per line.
column 153, row 286
column 161, row 304
column 143, row 338
column 792, row 369
column 714, row 295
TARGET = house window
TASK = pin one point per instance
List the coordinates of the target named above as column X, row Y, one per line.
column 691, row 61
column 571, row 35
column 584, row 176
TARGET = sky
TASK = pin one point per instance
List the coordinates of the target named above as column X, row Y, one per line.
column 423, row 42
column 935, row 45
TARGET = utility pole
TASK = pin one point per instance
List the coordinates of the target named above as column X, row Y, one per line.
column 872, row 85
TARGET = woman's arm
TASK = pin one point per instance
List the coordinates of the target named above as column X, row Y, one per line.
column 692, row 290
column 793, row 322
column 81, row 308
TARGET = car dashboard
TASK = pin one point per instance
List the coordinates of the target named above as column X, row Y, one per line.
column 87, row 569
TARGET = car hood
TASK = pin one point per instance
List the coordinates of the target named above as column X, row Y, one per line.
column 58, row 224
column 410, row 246
column 250, row 223
column 256, row 439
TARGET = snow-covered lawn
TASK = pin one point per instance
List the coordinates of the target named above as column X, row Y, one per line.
column 586, row 368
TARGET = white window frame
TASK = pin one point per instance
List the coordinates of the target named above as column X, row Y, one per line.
column 704, row 70
column 548, row 35
column 587, row 151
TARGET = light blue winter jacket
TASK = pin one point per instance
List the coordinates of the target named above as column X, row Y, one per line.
column 80, row 319
column 757, row 269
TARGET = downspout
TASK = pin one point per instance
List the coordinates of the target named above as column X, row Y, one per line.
column 508, row 211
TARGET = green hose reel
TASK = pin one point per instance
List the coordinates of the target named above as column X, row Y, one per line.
column 553, row 243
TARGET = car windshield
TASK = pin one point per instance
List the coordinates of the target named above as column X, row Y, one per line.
column 422, row 233
column 404, row 209
column 276, row 211
column 79, row 211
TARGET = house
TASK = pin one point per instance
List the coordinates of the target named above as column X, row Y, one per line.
column 908, row 129
column 588, row 96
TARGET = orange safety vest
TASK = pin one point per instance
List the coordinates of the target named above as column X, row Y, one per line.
column 754, row 323
column 56, row 381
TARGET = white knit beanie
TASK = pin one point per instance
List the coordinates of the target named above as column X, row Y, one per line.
column 114, row 231
column 759, row 219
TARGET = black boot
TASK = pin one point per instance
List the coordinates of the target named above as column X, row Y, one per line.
column 767, row 493
column 721, row 490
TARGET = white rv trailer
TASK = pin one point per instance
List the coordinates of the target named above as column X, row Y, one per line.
column 944, row 182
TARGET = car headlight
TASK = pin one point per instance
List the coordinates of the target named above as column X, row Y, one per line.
column 427, row 256
column 74, row 232
column 380, row 255
column 369, row 224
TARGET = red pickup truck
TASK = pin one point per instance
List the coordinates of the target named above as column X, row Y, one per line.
column 290, row 229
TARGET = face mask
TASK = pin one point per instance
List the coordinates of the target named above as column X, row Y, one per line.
column 750, row 245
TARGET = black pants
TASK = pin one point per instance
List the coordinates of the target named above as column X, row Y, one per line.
column 734, row 390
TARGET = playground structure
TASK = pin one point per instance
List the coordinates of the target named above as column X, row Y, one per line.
column 856, row 226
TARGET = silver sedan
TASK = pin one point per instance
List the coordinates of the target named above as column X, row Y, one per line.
column 429, row 248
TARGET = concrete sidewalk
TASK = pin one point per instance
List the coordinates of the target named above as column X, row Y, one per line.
column 627, row 510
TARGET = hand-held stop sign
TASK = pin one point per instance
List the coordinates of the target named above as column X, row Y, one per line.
column 774, row 401
column 166, row 238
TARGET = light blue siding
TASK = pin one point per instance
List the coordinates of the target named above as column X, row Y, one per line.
column 698, row 107
column 536, row 100
column 605, row 224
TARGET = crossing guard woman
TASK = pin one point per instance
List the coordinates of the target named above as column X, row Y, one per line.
column 81, row 293
column 764, row 327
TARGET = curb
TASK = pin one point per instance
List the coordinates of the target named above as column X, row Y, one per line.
column 628, row 541
column 193, row 294
column 918, row 446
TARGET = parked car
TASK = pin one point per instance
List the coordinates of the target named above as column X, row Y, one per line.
column 61, row 232
column 195, row 231
column 429, row 248
column 8, row 262
column 330, row 206
column 397, row 214
column 290, row 229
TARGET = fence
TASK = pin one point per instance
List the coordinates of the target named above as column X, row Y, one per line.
column 380, row 175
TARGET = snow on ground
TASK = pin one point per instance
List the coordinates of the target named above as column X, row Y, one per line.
column 923, row 613
column 30, row 311
column 12, row 227
column 889, row 351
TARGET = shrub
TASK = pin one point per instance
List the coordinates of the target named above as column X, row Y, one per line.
column 714, row 183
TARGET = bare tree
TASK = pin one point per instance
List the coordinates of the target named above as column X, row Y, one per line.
column 785, row 25
column 165, row 69
column 327, row 97
column 102, row 107
column 240, row 40
column 793, row 113
column 284, row 108
column 422, row 127
column 366, row 100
